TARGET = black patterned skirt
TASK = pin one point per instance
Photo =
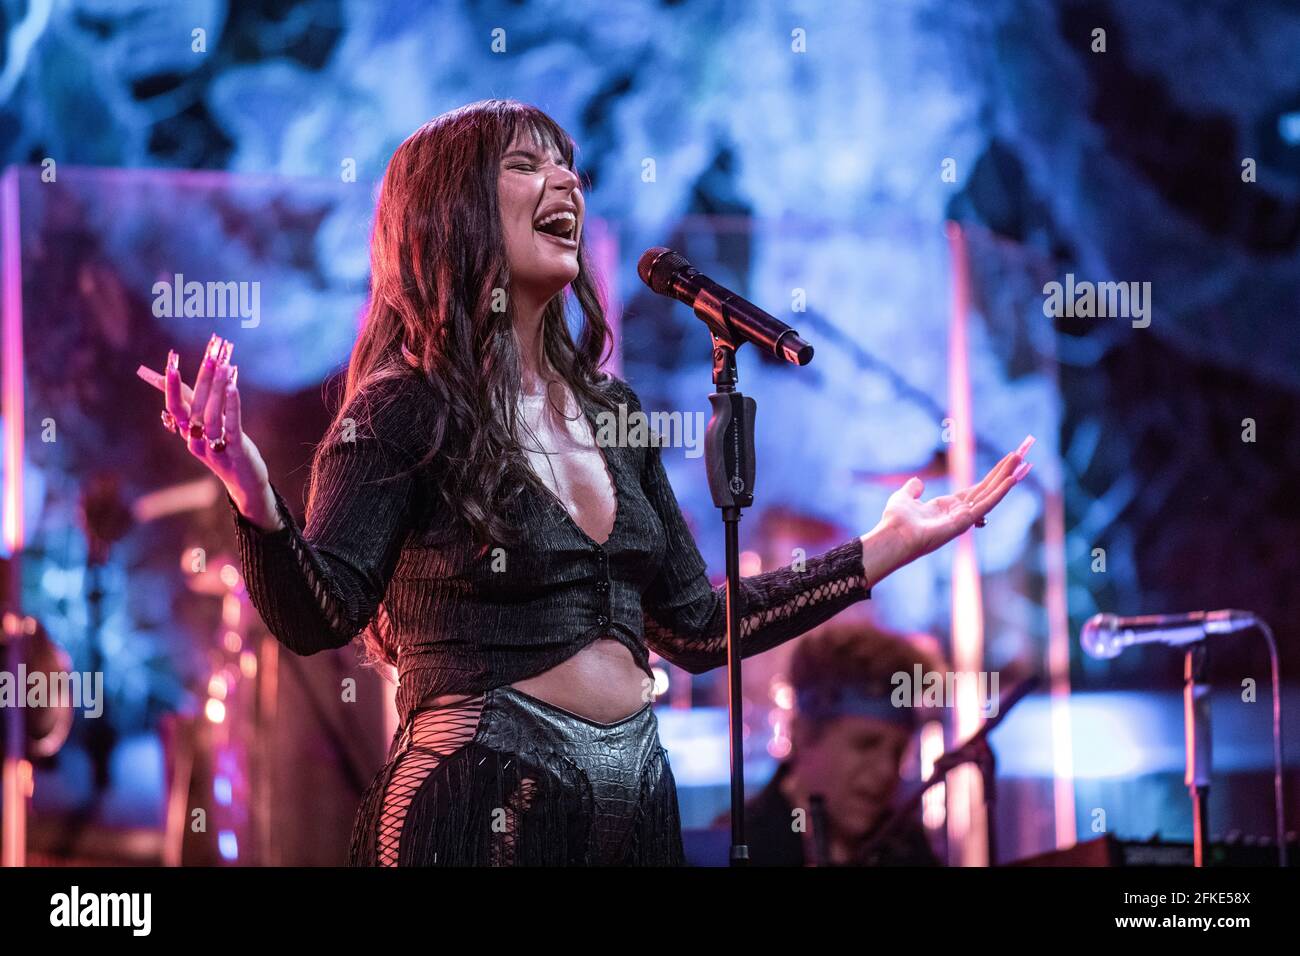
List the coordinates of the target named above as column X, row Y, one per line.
column 507, row 779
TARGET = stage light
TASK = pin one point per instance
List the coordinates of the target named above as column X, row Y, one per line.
column 661, row 681
column 782, row 693
column 228, row 845
column 230, row 576
column 934, row 803
column 778, row 745
column 1288, row 127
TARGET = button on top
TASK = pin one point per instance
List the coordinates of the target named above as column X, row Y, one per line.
column 602, row 586
column 602, row 620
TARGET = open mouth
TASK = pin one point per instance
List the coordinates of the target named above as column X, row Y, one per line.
column 558, row 225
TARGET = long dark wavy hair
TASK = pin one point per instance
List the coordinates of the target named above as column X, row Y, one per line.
column 437, row 255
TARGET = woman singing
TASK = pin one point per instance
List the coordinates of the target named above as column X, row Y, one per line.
column 463, row 519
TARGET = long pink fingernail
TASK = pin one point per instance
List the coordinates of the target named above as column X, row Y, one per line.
column 223, row 353
column 173, row 360
column 1023, row 470
column 234, row 374
column 1025, row 446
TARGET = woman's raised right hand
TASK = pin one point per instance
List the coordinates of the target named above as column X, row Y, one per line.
column 208, row 420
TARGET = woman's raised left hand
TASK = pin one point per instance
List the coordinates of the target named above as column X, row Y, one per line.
column 913, row 527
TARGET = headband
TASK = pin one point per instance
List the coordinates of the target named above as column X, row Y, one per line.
column 851, row 702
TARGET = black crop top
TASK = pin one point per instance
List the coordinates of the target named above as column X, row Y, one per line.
column 463, row 625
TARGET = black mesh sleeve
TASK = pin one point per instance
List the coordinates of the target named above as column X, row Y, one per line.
column 685, row 616
column 317, row 586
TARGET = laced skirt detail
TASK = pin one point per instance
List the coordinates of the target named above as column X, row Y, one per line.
column 437, row 733
column 507, row 779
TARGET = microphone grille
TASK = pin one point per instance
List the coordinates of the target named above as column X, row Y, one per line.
column 1098, row 637
column 657, row 267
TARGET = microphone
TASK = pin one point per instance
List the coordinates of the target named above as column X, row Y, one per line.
column 821, row 829
column 1104, row 635
column 727, row 314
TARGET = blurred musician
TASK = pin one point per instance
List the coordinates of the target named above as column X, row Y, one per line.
column 848, row 742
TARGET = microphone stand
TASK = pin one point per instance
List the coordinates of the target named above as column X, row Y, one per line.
column 729, row 462
column 1196, row 730
column 975, row 750
column 728, row 452
column 821, row 829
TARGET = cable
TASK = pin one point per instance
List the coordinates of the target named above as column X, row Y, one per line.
column 1279, row 804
